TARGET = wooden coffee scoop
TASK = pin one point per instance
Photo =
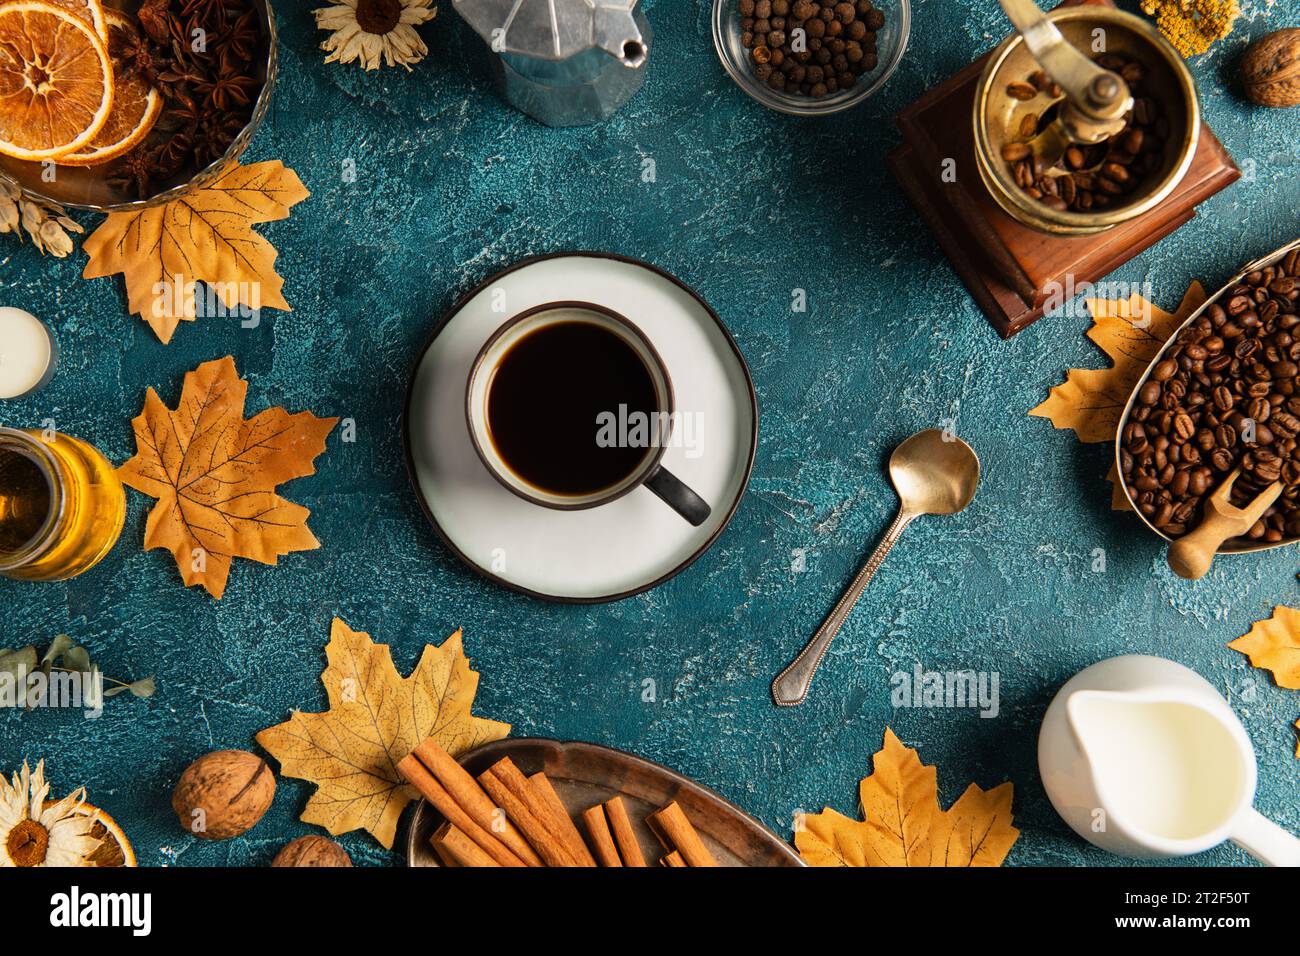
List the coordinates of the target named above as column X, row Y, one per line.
column 1191, row 555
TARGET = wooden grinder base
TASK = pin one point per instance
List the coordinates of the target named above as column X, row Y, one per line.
column 1010, row 268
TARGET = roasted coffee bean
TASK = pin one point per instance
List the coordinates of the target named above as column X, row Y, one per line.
column 1286, row 424
column 1066, row 187
column 1264, row 465
column 1164, row 370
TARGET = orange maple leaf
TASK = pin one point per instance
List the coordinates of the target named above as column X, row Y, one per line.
column 205, row 236
column 375, row 718
column 903, row 824
column 215, row 474
column 1090, row 401
column 1274, row 645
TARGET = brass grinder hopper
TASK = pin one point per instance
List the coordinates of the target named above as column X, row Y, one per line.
column 1093, row 105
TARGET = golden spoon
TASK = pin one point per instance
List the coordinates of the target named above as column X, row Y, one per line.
column 934, row 473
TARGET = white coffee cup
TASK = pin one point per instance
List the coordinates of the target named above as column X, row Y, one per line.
column 649, row 472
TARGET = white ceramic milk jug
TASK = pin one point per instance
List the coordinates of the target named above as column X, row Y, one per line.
column 1143, row 757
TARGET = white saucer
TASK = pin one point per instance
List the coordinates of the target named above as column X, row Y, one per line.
column 616, row 549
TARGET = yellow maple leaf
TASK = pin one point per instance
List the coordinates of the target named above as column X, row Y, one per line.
column 215, row 474
column 1274, row 645
column 1130, row 331
column 375, row 718
column 205, row 236
column 903, row 824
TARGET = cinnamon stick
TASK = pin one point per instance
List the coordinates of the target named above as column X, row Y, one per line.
column 467, row 794
column 676, row 833
column 560, row 818
column 512, row 799
column 460, row 848
column 419, row 777
column 629, row 848
column 672, row 859
column 435, row 841
column 601, row 839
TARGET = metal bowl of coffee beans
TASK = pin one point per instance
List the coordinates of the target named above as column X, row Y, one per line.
column 1223, row 393
column 1094, row 187
column 810, row 57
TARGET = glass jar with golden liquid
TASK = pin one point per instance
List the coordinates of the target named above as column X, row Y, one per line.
column 61, row 505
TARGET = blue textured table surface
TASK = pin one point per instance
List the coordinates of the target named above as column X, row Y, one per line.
column 747, row 205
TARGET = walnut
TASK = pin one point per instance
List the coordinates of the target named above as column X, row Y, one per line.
column 1271, row 69
column 223, row 794
column 312, row 851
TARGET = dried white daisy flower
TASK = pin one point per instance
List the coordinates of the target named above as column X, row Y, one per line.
column 38, row 832
column 47, row 223
column 367, row 30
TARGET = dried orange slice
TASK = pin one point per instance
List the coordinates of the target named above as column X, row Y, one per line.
column 114, row 848
column 56, row 81
column 136, row 105
column 92, row 11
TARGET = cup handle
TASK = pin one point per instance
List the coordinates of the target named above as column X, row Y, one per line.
column 679, row 497
column 1265, row 840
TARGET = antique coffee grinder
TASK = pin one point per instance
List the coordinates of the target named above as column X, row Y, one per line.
column 563, row 62
column 1087, row 106
column 1073, row 146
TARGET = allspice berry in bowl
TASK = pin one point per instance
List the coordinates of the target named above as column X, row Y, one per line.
column 1270, row 69
column 810, row 57
column 223, row 794
column 312, row 851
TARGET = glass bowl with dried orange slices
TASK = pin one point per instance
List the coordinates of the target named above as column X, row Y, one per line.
column 115, row 105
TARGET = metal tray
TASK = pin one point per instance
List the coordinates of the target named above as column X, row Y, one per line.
column 1232, row 545
column 586, row 774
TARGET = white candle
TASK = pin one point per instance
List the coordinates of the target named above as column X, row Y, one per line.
column 27, row 353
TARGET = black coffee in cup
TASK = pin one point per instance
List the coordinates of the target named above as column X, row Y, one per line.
column 547, row 400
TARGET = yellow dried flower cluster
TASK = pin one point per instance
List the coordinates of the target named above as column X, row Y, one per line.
column 1192, row 26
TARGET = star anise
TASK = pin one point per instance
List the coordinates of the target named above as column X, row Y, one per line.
column 215, row 135
column 210, row 10
column 243, row 35
column 242, row 39
column 155, row 19
column 182, row 75
column 228, row 92
column 181, row 114
column 174, row 153
column 133, row 52
column 136, row 172
column 184, row 34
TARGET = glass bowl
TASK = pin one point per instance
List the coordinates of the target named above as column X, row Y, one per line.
column 86, row 187
column 891, row 42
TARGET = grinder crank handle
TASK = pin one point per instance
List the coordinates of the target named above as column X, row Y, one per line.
column 1099, row 94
